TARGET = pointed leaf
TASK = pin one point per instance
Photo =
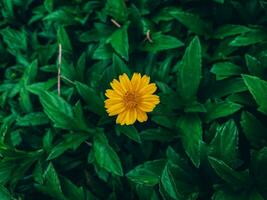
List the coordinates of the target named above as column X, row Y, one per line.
column 191, row 134
column 189, row 71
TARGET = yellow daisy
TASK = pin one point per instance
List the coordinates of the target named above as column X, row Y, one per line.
column 131, row 99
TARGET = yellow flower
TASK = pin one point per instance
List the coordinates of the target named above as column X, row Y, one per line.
column 131, row 99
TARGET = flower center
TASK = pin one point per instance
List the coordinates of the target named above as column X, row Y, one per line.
column 130, row 99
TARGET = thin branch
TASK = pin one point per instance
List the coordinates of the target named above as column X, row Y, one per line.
column 115, row 23
column 148, row 36
column 59, row 67
column 88, row 143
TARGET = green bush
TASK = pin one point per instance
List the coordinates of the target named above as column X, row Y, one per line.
column 207, row 139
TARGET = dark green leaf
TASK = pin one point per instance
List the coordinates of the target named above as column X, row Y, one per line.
column 119, row 41
column 189, row 71
column 230, row 30
column 220, row 109
column 33, row 119
column 249, row 38
column 191, row 134
column 117, row 9
column 192, row 21
column 161, row 42
column 257, row 88
column 148, row 173
column 60, row 112
column 224, row 70
column 254, row 130
column 224, row 145
column 230, row 176
column 70, row 141
column 94, row 102
column 105, row 156
column 130, row 131
column 51, row 184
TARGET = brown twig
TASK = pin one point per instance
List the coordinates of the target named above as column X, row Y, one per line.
column 59, row 68
column 88, row 143
column 148, row 36
column 115, row 23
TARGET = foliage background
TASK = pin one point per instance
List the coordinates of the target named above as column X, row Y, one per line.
column 206, row 139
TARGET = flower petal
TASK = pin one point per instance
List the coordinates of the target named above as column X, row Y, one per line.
column 112, row 94
column 151, row 99
column 136, row 80
column 115, row 109
column 116, row 85
column 125, row 82
column 141, row 115
column 146, row 106
column 113, row 101
column 149, row 89
column 144, row 81
column 121, row 117
column 132, row 116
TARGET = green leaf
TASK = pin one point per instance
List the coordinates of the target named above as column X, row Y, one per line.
column 70, row 141
column 130, row 131
column 71, row 191
column 230, row 30
column 61, row 113
column 258, row 165
column 94, row 102
column 51, row 184
column 33, row 119
column 190, row 128
column 30, row 73
column 38, row 88
column 5, row 194
column 224, row 70
column 168, row 182
column 164, row 121
column 192, row 21
column 81, row 66
column 119, row 66
column 224, row 145
column 57, row 109
column 64, row 39
column 8, row 9
column 47, row 140
column 148, row 173
column 161, row 42
column 257, row 88
column 184, row 166
column 158, row 134
column 254, row 66
column 231, row 195
column 220, row 109
column 117, row 9
column 233, row 178
column 249, row 38
column 16, row 40
column 105, row 156
column 48, row 4
column 189, row 71
column 103, row 52
column 25, row 101
column 119, row 42
column 219, row 1
column 195, row 107
column 254, row 130
column 227, row 87
column 176, row 185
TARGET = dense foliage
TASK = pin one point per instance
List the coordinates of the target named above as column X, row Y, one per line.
column 207, row 139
